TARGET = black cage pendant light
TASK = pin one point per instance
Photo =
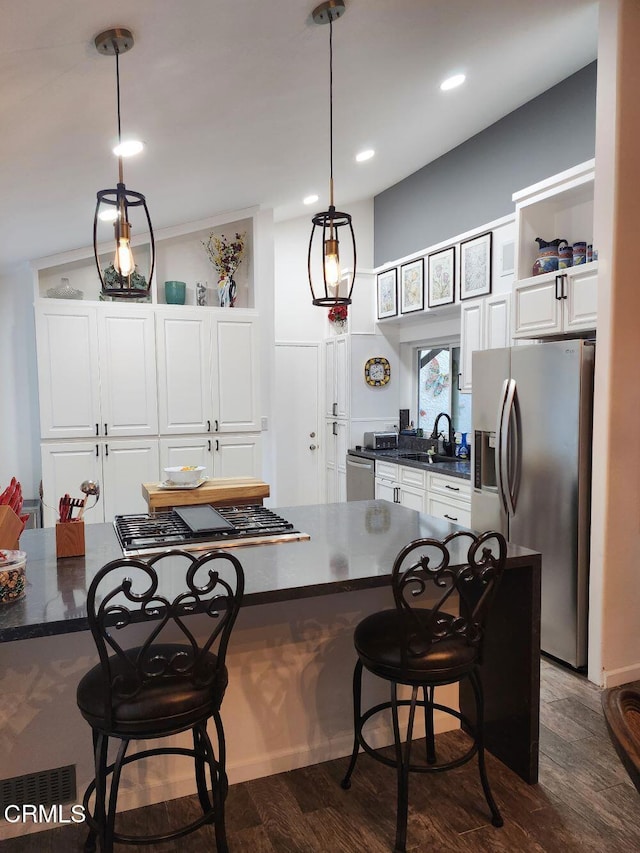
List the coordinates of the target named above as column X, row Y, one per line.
column 116, row 204
column 331, row 225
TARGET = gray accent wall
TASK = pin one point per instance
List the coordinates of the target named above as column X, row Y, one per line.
column 473, row 183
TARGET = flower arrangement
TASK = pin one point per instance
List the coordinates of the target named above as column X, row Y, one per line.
column 338, row 314
column 225, row 253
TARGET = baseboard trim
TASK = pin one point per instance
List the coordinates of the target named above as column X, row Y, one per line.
column 622, row 675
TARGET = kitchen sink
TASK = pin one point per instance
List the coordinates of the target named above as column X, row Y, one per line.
column 424, row 457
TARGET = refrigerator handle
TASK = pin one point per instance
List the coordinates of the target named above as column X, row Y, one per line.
column 507, row 458
column 502, row 435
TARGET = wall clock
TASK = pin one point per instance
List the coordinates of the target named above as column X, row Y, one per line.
column 377, row 371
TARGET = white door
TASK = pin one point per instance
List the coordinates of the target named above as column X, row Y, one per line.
column 296, row 425
column 237, row 455
column 194, row 450
column 64, row 467
column 68, row 379
column 128, row 387
column 184, row 371
column 126, row 465
column 235, row 375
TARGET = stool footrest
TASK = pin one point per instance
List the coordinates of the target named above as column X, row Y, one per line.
column 416, row 768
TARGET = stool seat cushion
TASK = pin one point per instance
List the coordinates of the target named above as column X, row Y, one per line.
column 163, row 705
column 388, row 647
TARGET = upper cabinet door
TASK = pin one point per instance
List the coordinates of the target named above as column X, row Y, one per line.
column 235, row 375
column 537, row 306
column 471, row 339
column 128, row 389
column 68, row 374
column 581, row 299
column 184, row 372
column 497, row 310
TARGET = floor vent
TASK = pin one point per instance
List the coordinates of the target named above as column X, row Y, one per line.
column 46, row 788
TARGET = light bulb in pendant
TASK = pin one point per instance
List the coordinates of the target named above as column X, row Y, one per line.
column 123, row 261
column 331, row 263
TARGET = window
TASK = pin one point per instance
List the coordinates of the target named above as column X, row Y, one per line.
column 438, row 369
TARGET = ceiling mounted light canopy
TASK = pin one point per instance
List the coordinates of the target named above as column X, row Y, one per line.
column 331, row 224
column 115, row 205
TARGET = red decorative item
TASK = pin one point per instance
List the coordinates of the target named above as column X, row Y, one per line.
column 338, row 314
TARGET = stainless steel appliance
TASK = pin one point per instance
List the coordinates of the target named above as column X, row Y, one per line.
column 532, row 426
column 222, row 527
column 361, row 477
column 380, row 440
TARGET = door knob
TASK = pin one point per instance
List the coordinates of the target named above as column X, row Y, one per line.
column 312, row 435
column 312, row 447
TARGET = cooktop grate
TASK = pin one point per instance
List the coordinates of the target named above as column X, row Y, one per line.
column 145, row 533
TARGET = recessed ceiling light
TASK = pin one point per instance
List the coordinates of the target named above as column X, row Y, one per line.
column 310, row 199
column 452, row 82
column 365, row 155
column 128, row 148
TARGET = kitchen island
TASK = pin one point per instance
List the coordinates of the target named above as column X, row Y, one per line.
column 291, row 655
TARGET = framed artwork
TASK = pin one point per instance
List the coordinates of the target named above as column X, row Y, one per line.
column 442, row 277
column 475, row 266
column 387, row 294
column 412, row 286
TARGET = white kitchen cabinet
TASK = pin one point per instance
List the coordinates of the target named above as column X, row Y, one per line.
column 337, row 355
column 120, row 466
column 220, row 455
column 484, row 324
column 96, row 370
column 449, row 498
column 556, row 303
column 335, row 443
column 562, row 302
column 208, row 376
column 126, row 464
column 401, row 484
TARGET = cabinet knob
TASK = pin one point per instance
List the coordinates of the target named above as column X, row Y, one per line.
column 312, row 435
column 312, row 447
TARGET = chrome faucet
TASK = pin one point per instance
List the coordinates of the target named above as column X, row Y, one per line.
column 448, row 445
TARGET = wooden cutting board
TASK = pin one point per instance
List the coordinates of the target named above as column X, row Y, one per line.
column 218, row 491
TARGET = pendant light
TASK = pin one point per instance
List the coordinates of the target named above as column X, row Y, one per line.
column 331, row 224
column 116, row 204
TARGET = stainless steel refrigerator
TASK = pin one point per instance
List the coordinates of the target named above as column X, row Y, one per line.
column 532, row 424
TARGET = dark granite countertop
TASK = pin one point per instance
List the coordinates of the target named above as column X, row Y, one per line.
column 454, row 467
column 352, row 546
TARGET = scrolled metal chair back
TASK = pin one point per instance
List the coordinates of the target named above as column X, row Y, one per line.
column 463, row 564
column 213, row 585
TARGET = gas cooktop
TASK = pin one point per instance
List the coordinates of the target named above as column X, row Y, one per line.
column 231, row 527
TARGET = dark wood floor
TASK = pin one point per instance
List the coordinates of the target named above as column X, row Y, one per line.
column 584, row 801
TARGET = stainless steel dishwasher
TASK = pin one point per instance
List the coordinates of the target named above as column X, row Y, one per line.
column 361, row 474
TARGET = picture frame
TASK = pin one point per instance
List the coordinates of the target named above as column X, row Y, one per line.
column 387, row 291
column 475, row 266
column 412, row 286
column 441, row 287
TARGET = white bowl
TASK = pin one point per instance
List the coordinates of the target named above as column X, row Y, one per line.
column 185, row 475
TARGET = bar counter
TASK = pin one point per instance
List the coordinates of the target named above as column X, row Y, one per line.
column 291, row 654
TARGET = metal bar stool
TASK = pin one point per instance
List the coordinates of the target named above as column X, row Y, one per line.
column 425, row 648
column 160, row 687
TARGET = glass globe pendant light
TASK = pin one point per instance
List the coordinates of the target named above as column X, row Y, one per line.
column 331, row 225
column 114, row 205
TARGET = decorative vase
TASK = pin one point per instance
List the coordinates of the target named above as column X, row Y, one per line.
column 201, row 293
column 175, row 292
column 340, row 326
column 227, row 292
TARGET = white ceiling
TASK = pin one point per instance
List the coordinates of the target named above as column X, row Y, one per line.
column 231, row 99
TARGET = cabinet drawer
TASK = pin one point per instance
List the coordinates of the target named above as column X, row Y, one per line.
column 413, row 476
column 453, row 511
column 453, row 488
column 387, row 470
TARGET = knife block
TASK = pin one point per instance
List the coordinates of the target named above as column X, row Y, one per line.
column 10, row 529
column 70, row 539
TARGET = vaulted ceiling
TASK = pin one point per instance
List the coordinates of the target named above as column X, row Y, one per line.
column 231, row 100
